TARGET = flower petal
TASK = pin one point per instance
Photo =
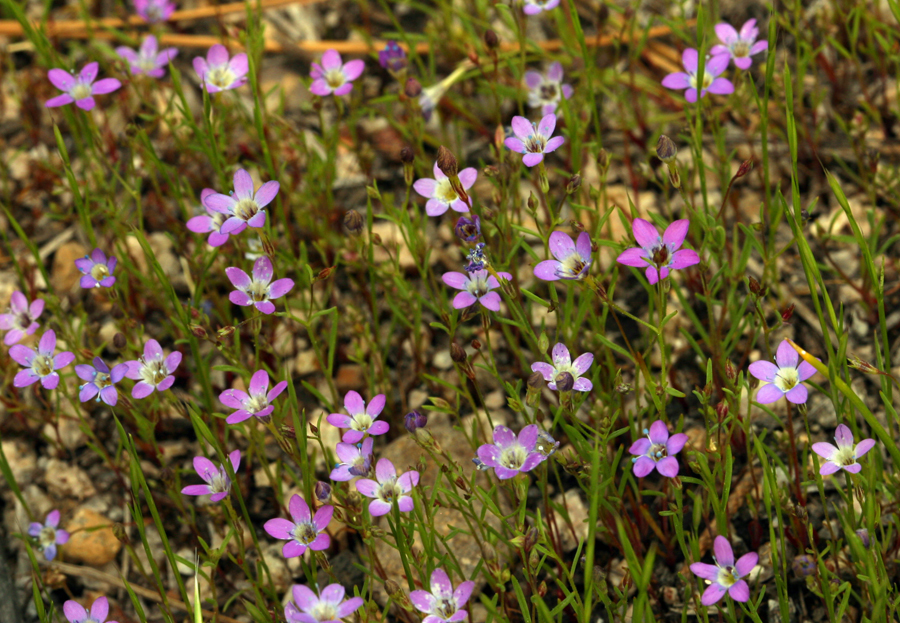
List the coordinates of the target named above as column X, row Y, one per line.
column 763, row 370
column 724, row 553
column 768, row 394
column 645, row 233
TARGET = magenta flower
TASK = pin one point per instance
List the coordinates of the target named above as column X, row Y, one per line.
column 148, row 60
column 845, row 454
column 76, row 613
column 244, row 207
column 573, row 259
column 442, row 604
column 154, row 10
column 783, row 379
column 305, row 531
column 361, row 418
column 533, row 7
column 476, row 287
column 217, row 481
column 97, row 270
column 715, row 65
column 533, row 139
column 562, row 362
column 656, row 451
column 40, row 365
column 440, row 194
column 257, row 291
column 257, row 402
column 388, row 489
column 468, row 230
column 739, row 45
column 101, row 381
column 725, row 575
column 660, row 256
column 80, row 89
column 211, row 222
column 218, row 72
column 334, row 76
column 356, row 459
column 547, row 91
column 153, row 372
column 330, row 607
column 509, row 455
column 48, row 535
column 20, row 318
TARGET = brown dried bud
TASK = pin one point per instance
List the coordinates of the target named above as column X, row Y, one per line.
column 536, row 380
column 476, row 344
column 487, row 213
column 288, row 432
column 722, row 410
column 574, row 184
column 730, row 370
column 225, row 331
column 198, row 331
column 490, row 170
column 119, row 532
column 406, row 155
column 665, row 149
column 863, row 366
column 491, row 40
column 532, row 202
column 744, row 169
column 413, row 88
column 458, row 353
column 119, row 341
column 603, row 161
column 755, row 288
column 376, row 239
column 564, row 381
column 353, row 222
column 268, row 247
column 446, row 162
column 325, row 273
column 392, row 589
column 542, row 587
column 531, row 538
column 787, row 313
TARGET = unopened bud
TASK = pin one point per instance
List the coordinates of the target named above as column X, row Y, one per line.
column 413, row 88
column 426, row 440
column 863, row 535
column 536, row 380
column 376, row 239
column 325, row 273
column 468, row 230
column 225, row 331
column 458, row 353
column 119, row 341
column 542, row 587
column 674, row 177
column 415, row 420
column 119, row 532
column 288, row 432
column 803, row 565
column 721, row 410
column 476, row 344
column 491, row 170
column 392, row 589
column 754, row 285
column 573, row 184
column 564, row 381
column 353, row 501
column 744, row 169
column 531, row 538
column 406, row 155
column 446, row 162
column 863, row 366
column 198, row 331
column 665, row 149
column 353, row 222
column 322, row 491
column 603, row 161
column 787, row 313
column 491, row 40
column 532, row 202
column 730, row 370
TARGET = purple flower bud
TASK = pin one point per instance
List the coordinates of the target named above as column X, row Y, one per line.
column 803, row 565
column 564, row 381
column 392, row 57
column 863, row 535
column 468, row 230
column 322, row 491
column 415, row 420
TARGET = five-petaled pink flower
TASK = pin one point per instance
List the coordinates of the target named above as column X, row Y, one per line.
column 845, row 454
column 211, row 222
column 257, row 291
column 360, row 418
column 48, row 534
column 476, row 287
column 356, row 459
column 534, row 139
column 257, row 402
column 547, row 91
column 218, row 72
column 19, row 320
column 333, row 75
column 562, row 363
column 218, row 484
column 660, row 256
column 303, row 530
column 656, row 451
column 573, row 259
column 154, row 10
column 739, row 45
column 97, row 270
column 153, row 371
column 245, row 207
column 533, row 7
column 76, row 613
column 440, row 194
column 715, row 65
column 149, row 59
column 725, row 575
column 388, row 489
column 509, row 455
column 442, row 604
column 330, row 607
column 80, row 89
column 100, row 381
column 41, row 364
column 784, row 379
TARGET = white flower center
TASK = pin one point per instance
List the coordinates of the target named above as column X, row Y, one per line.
column 258, row 291
column 324, row 611
column 221, row 76
column 154, row 372
column 389, row 491
column 102, row 380
column 256, row 403
column 361, row 422
column 21, row 320
column 305, row 532
column 513, row 457
column 47, row 536
column 444, row 192
column 740, row 48
column 787, row 379
column 99, row 272
column 147, row 63
column 845, row 455
column 444, row 608
column 246, row 209
column 220, row 482
column 42, row 365
column 571, row 267
column 477, row 286
column 335, row 77
column 535, row 143
column 726, row 577
column 80, row 91
column 549, row 92
column 707, row 80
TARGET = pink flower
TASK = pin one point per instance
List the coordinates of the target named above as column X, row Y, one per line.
column 256, row 403
column 509, row 455
column 40, row 365
column 845, row 454
column 153, row 372
column 442, row 604
column 97, row 270
column 218, row 73
column 304, row 531
column 211, row 222
column 154, row 10
column 334, row 76
column 533, row 7
column 783, row 379
column 330, row 607
column 725, row 575
column 547, row 91
column 80, row 89
column 533, row 139
column 148, row 60
column 218, row 484
column 476, row 287
column 76, row 613
column 19, row 320
column 739, row 45
column 101, row 381
column 562, row 362
column 245, row 206
column 48, row 535
column 388, row 489
column 440, row 194
column 656, row 451
column 257, row 291
column 660, row 256
column 356, row 459
column 361, row 418
column 573, row 259
column 711, row 82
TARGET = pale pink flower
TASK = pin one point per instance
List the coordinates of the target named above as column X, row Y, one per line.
column 334, row 76
column 80, row 89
